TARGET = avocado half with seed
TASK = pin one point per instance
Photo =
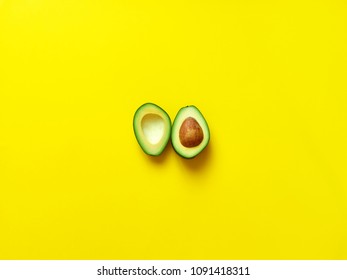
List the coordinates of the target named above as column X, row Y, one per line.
column 190, row 133
column 152, row 128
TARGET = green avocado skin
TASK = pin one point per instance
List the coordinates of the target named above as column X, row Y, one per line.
column 137, row 127
column 182, row 155
column 176, row 126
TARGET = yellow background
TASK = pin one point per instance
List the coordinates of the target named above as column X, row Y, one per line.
column 270, row 79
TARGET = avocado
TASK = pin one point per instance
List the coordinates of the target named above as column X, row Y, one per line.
column 190, row 133
column 152, row 128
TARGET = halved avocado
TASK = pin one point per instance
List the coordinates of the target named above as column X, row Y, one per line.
column 190, row 133
column 152, row 128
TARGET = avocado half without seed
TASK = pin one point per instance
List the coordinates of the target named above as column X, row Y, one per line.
column 190, row 133
column 152, row 128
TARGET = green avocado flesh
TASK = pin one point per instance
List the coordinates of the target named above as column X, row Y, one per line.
column 190, row 133
column 152, row 128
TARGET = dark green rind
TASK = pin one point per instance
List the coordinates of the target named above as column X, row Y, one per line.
column 181, row 155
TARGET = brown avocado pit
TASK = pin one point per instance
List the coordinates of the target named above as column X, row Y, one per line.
column 191, row 133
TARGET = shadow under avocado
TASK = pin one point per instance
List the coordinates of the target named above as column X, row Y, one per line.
column 199, row 162
column 162, row 157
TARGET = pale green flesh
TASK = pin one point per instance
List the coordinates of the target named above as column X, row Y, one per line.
column 153, row 128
